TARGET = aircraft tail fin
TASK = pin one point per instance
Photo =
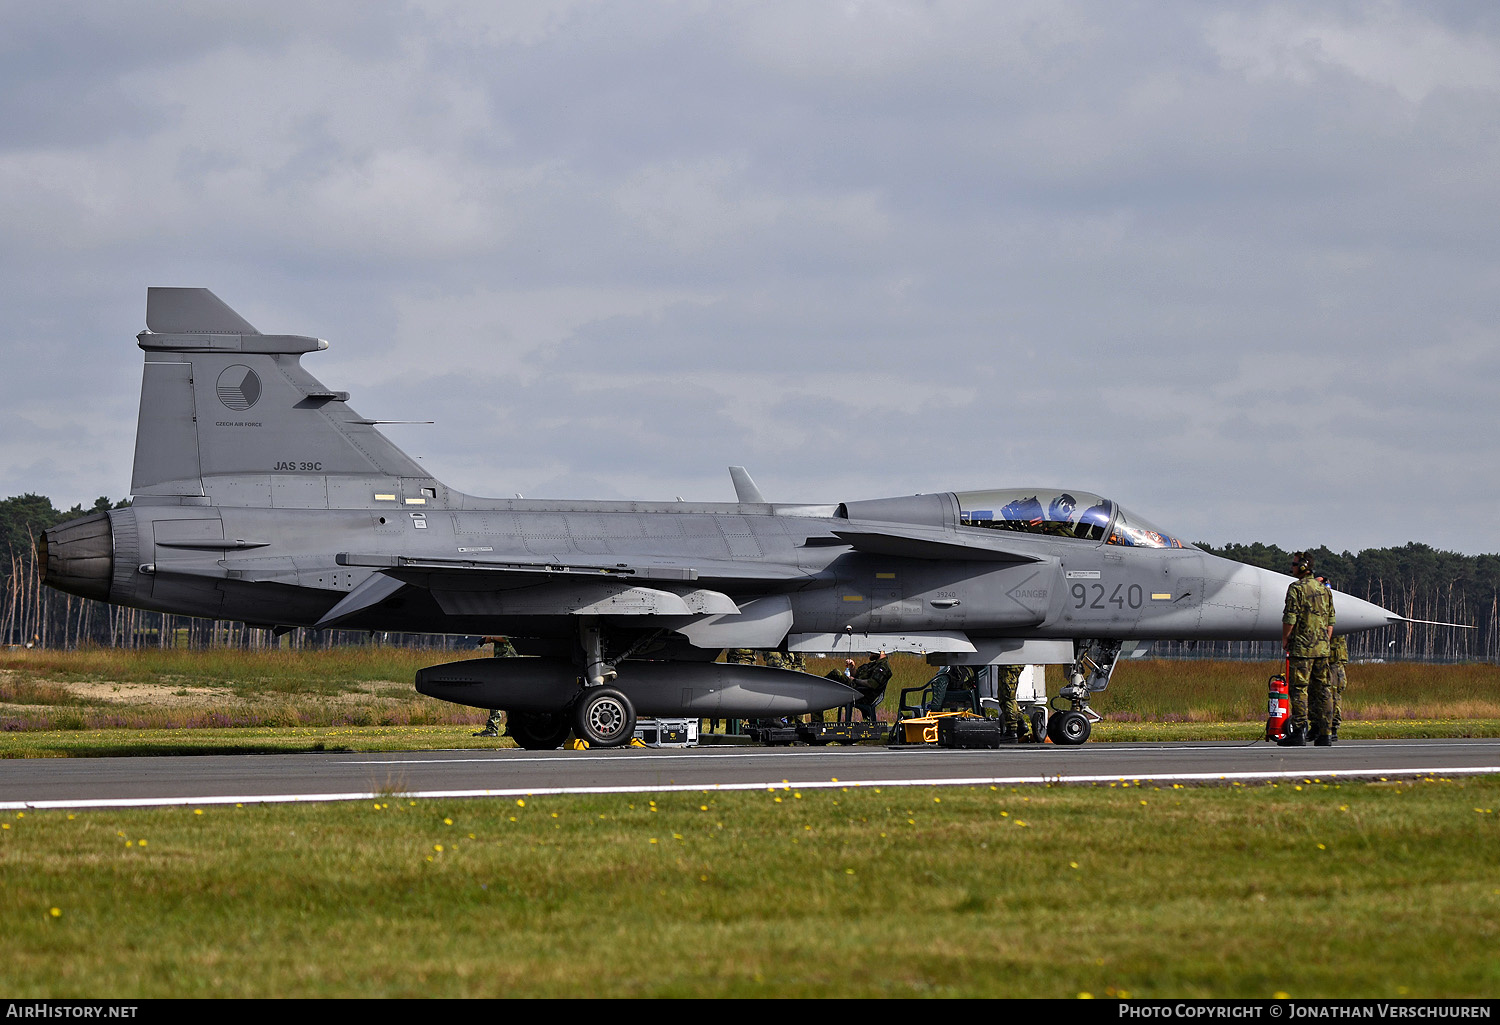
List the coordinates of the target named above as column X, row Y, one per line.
column 189, row 311
column 229, row 414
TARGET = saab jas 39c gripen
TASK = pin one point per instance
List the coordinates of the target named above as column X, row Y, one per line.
column 260, row 495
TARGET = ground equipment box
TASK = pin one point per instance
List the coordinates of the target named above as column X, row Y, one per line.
column 819, row 733
column 667, row 732
column 969, row 732
column 774, row 734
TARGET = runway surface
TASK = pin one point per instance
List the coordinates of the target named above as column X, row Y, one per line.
column 223, row 779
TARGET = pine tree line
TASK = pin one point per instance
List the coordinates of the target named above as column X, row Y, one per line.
column 1415, row 581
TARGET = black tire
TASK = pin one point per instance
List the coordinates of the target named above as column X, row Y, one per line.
column 1039, row 725
column 604, row 717
column 1070, row 728
column 538, row 731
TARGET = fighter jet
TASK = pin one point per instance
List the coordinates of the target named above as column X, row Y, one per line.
column 260, row 495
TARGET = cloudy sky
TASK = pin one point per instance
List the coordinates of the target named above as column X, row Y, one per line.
column 1235, row 265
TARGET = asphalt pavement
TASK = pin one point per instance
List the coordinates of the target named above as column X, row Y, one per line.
column 327, row 776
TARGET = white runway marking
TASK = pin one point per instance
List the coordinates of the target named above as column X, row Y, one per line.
column 783, row 785
column 500, row 757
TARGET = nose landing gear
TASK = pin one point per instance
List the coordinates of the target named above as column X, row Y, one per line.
column 1089, row 674
column 1070, row 727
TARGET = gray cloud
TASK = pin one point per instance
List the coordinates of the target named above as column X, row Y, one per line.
column 1232, row 265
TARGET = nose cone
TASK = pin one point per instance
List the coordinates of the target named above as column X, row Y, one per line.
column 1351, row 614
column 1246, row 602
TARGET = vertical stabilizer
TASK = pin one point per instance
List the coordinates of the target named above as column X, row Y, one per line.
column 192, row 311
column 229, row 414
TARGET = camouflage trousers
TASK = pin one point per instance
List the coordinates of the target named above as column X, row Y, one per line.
column 939, row 691
column 1312, row 701
column 869, row 701
column 1010, row 710
column 1336, row 683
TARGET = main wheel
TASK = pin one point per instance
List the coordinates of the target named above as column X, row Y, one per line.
column 537, row 731
column 604, row 717
column 1070, row 728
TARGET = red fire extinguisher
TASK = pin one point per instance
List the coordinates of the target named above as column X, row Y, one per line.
column 1279, row 704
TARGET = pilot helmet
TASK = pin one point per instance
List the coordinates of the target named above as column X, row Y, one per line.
column 1061, row 509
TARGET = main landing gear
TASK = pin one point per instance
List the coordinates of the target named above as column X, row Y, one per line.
column 601, row 715
column 604, row 717
column 538, row 731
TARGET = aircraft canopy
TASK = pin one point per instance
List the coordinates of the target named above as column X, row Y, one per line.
column 1058, row 513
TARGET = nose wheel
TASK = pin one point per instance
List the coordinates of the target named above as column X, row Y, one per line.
column 1069, row 728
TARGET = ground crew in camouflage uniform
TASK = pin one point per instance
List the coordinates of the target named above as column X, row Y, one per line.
column 954, row 677
column 870, row 680
column 1338, row 658
column 1306, row 627
column 503, row 649
column 1015, row 721
column 841, row 676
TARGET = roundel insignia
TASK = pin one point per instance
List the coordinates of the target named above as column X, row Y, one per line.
column 238, row 387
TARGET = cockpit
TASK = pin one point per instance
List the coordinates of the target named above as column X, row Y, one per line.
column 1076, row 514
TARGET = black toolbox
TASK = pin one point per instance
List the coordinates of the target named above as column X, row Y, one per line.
column 969, row 731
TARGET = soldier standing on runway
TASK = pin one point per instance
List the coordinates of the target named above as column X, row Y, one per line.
column 1306, row 627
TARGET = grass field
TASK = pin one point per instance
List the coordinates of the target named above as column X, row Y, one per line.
column 149, row 688
column 1308, row 890
column 108, row 701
